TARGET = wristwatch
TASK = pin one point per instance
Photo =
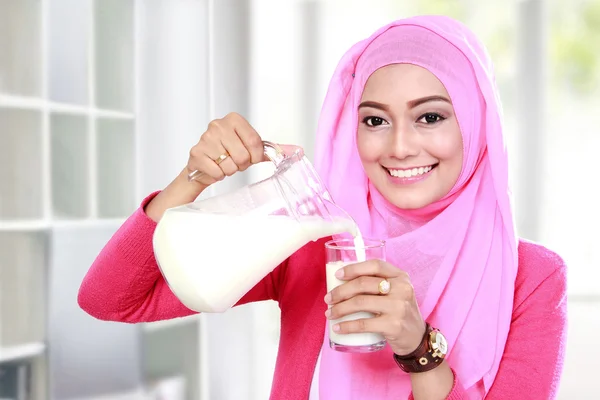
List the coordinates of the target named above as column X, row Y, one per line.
column 431, row 352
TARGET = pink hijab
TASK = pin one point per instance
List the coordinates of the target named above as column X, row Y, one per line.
column 461, row 252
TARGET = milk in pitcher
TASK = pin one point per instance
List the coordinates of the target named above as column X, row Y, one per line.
column 211, row 260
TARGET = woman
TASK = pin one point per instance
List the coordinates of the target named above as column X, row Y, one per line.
column 410, row 144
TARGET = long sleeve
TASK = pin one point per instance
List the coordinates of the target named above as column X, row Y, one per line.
column 125, row 284
column 535, row 349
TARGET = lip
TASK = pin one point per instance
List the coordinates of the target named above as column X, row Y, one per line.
column 408, row 181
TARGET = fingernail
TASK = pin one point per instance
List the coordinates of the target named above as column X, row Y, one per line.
column 328, row 298
column 339, row 273
column 328, row 313
column 336, row 328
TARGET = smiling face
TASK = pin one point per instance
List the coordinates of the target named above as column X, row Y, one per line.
column 408, row 136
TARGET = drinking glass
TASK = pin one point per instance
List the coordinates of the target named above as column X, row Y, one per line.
column 340, row 253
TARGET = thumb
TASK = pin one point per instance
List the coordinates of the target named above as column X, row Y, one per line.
column 288, row 150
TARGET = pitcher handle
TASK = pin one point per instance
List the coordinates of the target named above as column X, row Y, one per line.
column 272, row 150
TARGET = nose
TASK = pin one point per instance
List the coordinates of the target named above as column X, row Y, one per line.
column 405, row 142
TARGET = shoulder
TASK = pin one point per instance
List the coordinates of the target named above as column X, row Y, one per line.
column 542, row 273
column 537, row 262
column 532, row 253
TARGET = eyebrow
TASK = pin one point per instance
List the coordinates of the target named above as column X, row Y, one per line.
column 411, row 104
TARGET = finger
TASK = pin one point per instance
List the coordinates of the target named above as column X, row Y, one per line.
column 362, row 303
column 209, row 169
column 289, row 149
column 228, row 166
column 211, row 144
column 362, row 325
column 249, row 137
column 355, row 287
column 239, row 154
column 370, row 267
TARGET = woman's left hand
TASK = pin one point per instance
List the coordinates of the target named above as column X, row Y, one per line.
column 397, row 315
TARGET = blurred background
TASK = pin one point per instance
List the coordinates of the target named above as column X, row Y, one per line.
column 100, row 101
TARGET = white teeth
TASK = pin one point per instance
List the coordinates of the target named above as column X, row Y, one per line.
column 399, row 173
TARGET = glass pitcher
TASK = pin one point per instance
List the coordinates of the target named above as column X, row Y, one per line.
column 213, row 251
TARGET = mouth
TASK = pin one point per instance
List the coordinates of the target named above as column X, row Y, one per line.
column 410, row 172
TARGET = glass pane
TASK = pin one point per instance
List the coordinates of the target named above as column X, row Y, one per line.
column 20, row 164
column 68, row 50
column 116, row 168
column 22, row 287
column 70, row 187
column 114, row 54
column 168, row 361
column 15, row 380
column 20, row 49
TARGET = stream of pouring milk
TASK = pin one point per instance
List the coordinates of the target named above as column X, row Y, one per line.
column 211, row 260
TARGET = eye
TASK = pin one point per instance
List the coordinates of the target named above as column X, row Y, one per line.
column 374, row 121
column 431, row 118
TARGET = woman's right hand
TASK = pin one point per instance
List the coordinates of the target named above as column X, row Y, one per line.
column 231, row 137
column 229, row 145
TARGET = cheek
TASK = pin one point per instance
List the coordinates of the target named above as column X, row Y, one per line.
column 369, row 147
column 448, row 148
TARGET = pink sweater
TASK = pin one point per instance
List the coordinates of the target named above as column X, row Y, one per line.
column 124, row 284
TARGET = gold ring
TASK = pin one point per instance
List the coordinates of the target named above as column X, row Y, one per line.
column 221, row 158
column 384, row 287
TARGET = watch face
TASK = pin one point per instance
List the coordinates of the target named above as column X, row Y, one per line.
column 439, row 345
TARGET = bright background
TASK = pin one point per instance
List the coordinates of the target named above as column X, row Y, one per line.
column 100, row 101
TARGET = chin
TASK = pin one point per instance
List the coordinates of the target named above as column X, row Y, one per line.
column 409, row 198
column 405, row 204
column 404, row 198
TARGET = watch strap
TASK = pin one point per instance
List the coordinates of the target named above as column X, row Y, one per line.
column 422, row 359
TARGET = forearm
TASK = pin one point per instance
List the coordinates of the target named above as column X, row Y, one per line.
column 433, row 385
column 179, row 192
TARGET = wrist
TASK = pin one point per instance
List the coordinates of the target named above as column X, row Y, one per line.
column 429, row 354
column 414, row 344
column 436, row 384
column 179, row 192
column 182, row 181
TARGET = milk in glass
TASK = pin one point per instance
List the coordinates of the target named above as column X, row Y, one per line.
column 351, row 342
